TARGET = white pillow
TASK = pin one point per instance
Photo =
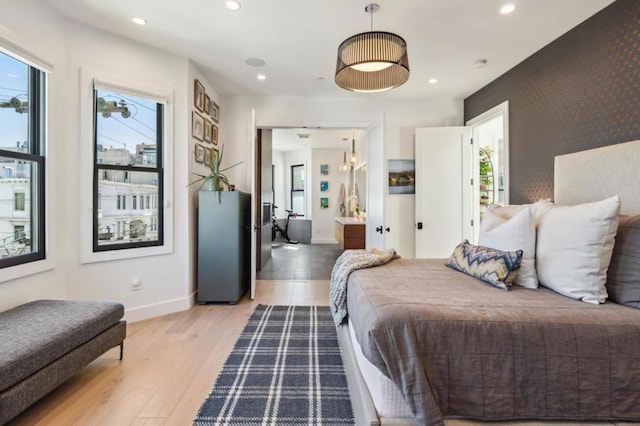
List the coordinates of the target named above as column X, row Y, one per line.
column 509, row 234
column 574, row 248
column 537, row 209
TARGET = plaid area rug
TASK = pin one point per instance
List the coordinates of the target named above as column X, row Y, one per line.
column 285, row 369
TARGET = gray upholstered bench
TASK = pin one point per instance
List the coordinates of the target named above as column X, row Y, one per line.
column 43, row 343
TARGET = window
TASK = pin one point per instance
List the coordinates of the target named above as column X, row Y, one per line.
column 22, row 117
column 128, row 143
column 18, row 201
column 297, row 189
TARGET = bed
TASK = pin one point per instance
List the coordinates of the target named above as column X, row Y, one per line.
column 424, row 342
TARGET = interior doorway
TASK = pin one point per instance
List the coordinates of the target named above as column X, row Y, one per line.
column 302, row 173
column 491, row 160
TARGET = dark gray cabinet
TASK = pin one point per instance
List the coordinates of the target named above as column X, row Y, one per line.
column 224, row 246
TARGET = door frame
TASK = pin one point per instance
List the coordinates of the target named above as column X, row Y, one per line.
column 475, row 123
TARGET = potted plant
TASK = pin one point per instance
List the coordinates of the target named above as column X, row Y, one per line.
column 216, row 180
column 484, row 200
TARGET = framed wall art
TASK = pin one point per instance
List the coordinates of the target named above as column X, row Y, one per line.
column 324, row 185
column 198, row 95
column 199, row 153
column 215, row 112
column 197, row 126
column 207, row 104
column 402, row 177
column 214, row 134
column 324, row 203
column 324, row 169
column 207, row 156
column 208, row 130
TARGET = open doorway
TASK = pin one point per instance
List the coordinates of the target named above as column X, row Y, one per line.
column 491, row 160
column 302, row 173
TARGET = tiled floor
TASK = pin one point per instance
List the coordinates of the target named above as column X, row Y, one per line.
column 300, row 261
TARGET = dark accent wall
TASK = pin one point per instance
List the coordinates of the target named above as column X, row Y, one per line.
column 579, row 92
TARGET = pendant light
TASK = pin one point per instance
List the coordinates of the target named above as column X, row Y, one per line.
column 354, row 154
column 373, row 61
column 344, row 166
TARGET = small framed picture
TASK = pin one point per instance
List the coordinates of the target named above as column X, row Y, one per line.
column 197, row 126
column 324, row 169
column 208, row 128
column 199, row 153
column 214, row 134
column 215, row 112
column 324, row 185
column 207, row 155
column 214, row 153
column 198, row 95
column 324, row 203
column 207, row 104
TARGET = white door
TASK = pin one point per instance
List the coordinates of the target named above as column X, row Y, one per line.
column 444, row 195
column 376, row 187
column 253, row 137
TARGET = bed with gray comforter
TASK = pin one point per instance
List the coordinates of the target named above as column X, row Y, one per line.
column 457, row 347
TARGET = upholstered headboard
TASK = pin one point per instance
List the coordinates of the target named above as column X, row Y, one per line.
column 600, row 173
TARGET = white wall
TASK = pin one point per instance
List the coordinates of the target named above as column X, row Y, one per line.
column 167, row 284
column 401, row 117
column 279, row 182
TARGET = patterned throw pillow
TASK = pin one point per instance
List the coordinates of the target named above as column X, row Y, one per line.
column 498, row 268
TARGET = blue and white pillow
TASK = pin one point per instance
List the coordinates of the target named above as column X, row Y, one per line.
column 496, row 267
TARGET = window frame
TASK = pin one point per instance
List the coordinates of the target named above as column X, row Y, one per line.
column 298, row 190
column 131, row 85
column 99, row 168
column 37, row 104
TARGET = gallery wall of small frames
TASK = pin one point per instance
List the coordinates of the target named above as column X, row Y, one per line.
column 204, row 123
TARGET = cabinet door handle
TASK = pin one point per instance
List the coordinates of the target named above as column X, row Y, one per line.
column 379, row 229
column 387, row 229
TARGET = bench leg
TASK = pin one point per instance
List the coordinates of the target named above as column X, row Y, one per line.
column 121, row 350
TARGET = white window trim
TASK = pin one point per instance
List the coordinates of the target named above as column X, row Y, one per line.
column 24, row 53
column 158, row 93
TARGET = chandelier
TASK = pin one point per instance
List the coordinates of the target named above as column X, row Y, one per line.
column 373, row 61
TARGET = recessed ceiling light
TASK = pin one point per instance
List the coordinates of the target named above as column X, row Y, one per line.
column 233, row 4
column 480, row 63
column 138, row 21
column 433, row 80
column 255, row 62
column 507, row 8
column 262, row 77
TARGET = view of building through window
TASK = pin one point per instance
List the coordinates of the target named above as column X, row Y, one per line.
column 21, row 136
column 128, row 144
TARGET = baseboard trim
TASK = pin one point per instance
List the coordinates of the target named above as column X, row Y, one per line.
column 141, row 313
column 324, row 241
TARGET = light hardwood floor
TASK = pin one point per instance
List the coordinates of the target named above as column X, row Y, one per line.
column 170, row 364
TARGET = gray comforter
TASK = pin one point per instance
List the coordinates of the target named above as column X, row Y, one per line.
column 457, row 347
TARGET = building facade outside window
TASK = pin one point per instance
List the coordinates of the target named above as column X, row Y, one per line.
column 22, row 162
column 128, row 143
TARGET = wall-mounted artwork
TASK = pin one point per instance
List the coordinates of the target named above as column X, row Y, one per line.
column 207, row 104
column 214, row 134
column 198, row 95
column 324, row 203
column 199, row 153
column 207, row 156
column 197, row 126
column 324, row 169
column 215, row 112
column 207, row 130
column 402, row 177
column 324, row 185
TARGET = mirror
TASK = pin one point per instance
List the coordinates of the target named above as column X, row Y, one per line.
column 360, row 185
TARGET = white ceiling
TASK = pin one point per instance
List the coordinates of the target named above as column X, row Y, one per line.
column 298, row 39
column 294, row 139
